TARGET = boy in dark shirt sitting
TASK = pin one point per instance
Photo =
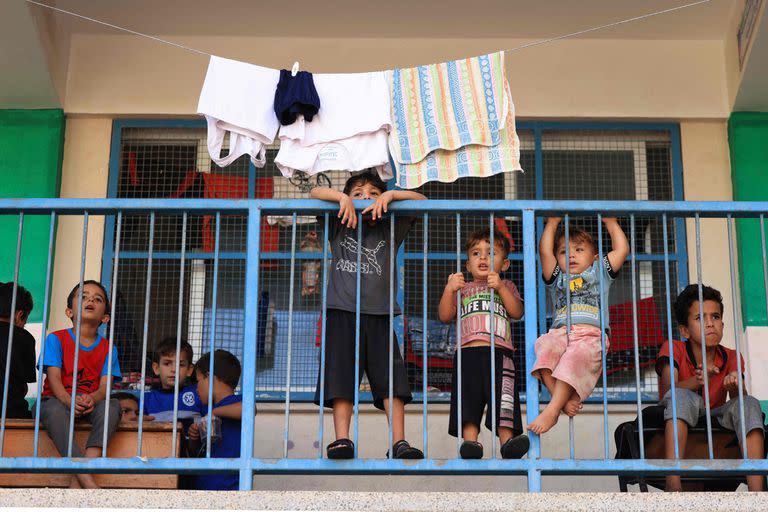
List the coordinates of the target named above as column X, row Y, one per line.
column 226, row 375
column 22, row 364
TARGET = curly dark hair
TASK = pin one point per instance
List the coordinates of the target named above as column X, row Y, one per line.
column 689, row 295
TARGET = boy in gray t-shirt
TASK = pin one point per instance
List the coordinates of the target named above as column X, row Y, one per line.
column 569, row 362
column 341, row 325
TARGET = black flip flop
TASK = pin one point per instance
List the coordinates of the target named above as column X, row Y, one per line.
column 341, row 449
column 516, row 447
column 471, row 450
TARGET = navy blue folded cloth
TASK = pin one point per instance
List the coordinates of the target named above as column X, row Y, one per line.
column 296, row 95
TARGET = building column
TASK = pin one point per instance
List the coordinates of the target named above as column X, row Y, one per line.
column 747, row 134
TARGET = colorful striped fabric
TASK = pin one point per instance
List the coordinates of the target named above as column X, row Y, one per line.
column 452, row 120
column 473, row 160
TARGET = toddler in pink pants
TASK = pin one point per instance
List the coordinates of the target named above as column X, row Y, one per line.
column 569, row 363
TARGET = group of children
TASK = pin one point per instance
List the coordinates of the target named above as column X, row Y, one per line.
column 568, row 356
column 88, row 307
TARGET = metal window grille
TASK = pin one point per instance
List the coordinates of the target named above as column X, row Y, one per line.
column 560, row 164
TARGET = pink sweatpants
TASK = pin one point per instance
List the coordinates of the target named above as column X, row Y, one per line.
column 577, row 363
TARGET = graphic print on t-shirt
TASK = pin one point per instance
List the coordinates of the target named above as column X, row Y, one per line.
column 475, row 320
column 366, row 267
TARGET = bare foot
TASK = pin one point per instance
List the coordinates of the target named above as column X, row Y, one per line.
column 545, row 421
column 573, row 406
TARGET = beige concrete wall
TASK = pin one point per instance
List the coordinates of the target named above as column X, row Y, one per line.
column 733, row 71
column 84, row 174
column 577, row 78
column 373, row 439
column 707, row 177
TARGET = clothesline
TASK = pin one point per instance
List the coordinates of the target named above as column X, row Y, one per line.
column 508, row 50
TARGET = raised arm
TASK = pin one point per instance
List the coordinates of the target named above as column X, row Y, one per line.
column 346, row 207
column 547, row 248
column 619, row 243
column 379, row 207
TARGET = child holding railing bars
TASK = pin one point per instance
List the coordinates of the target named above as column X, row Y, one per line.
column 569, row 362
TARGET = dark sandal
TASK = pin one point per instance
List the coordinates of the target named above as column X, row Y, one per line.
column 516, row 447
column 341, row 449
column 403, row 450
column 471, row 450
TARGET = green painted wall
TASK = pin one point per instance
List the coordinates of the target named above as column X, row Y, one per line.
column 748, row 139
column 31, row 145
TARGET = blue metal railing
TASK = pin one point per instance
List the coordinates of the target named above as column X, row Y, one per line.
column 534, row 466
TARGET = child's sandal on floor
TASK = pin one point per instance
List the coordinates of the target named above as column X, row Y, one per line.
column 471, row 450
column 515, row 447
column 341, row 449
column 403, row 450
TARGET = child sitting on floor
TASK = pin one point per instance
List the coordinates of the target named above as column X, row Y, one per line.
column 158, row 403
column 22, row 370
column 722, row 378
column 92, row 364
column 569, row 363
column 476, row 348
column 226, row 374
column 129, row 407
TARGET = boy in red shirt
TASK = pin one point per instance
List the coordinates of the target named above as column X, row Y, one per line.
column 90, row 400
column 722, row 379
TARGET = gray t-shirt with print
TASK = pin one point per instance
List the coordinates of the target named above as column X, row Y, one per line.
column 374, row 265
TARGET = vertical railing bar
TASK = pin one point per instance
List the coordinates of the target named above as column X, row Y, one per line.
column 601, row 279
column 492, row 325
column 390, row 414
column 323, row 313
column 291, row 289
column 665, row 239
column 78, row 324
column 424, row 362
column 111, row 341
column 459, row 423
column 250, row 337
column 38, row 400
column 179, row 315
column 11, row 329
column 531, row 333
column 356, row 404
column 567, row 229
column 737, row 335
column 703, row 338
column 635, row 339
column 212, row 331
column 147, row 296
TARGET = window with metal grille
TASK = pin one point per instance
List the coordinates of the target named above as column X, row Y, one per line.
column 561, row 161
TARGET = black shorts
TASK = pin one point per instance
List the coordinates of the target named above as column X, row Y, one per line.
column 476, row 390
column 374, row 359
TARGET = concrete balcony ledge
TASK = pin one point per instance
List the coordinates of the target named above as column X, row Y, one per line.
column 383, row 501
